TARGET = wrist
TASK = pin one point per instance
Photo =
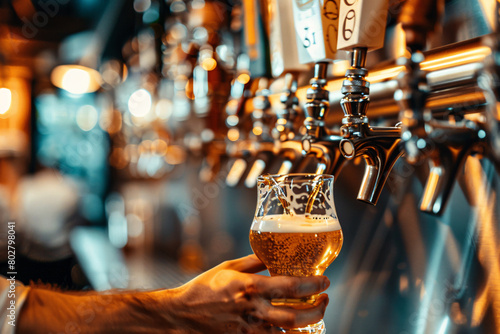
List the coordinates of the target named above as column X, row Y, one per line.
column 168, row 310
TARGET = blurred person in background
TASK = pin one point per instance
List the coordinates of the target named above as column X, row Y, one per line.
column 44, row 207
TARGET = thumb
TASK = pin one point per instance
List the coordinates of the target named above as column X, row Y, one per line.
column 247, row 264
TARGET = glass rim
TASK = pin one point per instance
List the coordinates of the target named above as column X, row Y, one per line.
column 306, row 176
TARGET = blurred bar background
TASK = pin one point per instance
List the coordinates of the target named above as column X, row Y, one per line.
column 132, row 133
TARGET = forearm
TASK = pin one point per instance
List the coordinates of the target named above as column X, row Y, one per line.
column 46, row 311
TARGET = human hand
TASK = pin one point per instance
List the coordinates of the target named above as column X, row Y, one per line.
column 231, row 298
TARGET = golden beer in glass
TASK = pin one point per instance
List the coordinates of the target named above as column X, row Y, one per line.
column 295, row 231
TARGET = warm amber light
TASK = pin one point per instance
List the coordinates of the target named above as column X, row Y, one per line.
column 233, row 134
column 243, row 78
column 209, row 64
column 5, row 100
column 76, row 79
column 384, row 74
column 476, row 54
column 175, row 155
column 257, row 131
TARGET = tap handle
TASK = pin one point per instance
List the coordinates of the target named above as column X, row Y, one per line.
column 316, row 24
column 418, row 19
column 255, row 38
column 283, row 49
column 362, row 24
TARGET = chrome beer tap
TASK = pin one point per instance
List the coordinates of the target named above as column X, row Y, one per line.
column 260, row 137
column 444, row 144
column 238, row 146
column 379, row 146
column 315, row 27
column 285, row 129
column 362, row 25
column 317, row 142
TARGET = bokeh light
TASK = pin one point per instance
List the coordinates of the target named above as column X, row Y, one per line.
column 76, row 79
column 139, row 103
column 5, row 100
column 87, row 117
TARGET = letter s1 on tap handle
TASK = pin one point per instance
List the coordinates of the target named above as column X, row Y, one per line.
column 316, row 26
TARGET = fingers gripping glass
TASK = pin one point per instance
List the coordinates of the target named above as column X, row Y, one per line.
column 295, row 231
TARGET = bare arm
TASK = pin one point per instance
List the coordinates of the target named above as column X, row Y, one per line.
column 229, row 298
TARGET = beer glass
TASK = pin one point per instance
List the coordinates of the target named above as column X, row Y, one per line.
column 295, row 231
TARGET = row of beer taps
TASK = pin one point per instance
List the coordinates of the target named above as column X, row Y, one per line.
column 295, row 135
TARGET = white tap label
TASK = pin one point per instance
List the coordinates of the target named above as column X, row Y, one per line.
column 283, row 49
column 362, row 24
column 316, row 25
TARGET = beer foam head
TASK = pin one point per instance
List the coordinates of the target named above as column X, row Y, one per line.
column 295, row 224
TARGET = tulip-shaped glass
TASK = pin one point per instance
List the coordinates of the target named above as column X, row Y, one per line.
column 295, row 231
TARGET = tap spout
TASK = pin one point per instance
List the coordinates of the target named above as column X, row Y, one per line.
column 329, row 157
column 452, row 146
column 380, row 152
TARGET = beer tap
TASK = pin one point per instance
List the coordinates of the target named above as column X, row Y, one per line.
column 316, row 24
column 262, row 143
column 317, row 142
column 249, row 151
column 444, row 144
column 379, row 146
column 238, row 148
column 285, row 129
